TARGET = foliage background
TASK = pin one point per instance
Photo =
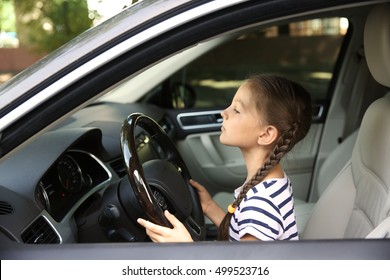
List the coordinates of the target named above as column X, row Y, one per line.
column 47, row 24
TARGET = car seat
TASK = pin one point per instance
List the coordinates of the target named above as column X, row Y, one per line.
column 357, row 201
column 328, row 171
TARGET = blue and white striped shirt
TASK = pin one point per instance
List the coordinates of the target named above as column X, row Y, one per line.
column 266, row 212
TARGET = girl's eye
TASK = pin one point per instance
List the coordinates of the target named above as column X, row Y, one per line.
column 236, row 111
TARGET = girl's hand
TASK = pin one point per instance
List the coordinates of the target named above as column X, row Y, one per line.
column 163, row 234
column 206, row 201
column 209, row 207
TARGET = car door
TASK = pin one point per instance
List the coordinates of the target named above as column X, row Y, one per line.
column 89, row 72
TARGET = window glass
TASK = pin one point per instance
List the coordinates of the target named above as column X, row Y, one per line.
column 304, row 51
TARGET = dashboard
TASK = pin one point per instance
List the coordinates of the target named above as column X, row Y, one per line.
column 60, row 172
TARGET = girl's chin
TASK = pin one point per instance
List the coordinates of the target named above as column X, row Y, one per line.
column 222, row 139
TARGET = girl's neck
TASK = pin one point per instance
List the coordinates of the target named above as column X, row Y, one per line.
column 255, row 159
column 275, row 172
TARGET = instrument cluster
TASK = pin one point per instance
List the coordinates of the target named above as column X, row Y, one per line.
column 71, row 177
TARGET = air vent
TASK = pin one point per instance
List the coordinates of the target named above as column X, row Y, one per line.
column 119, row 167
column 5, row 208
column 40, row 232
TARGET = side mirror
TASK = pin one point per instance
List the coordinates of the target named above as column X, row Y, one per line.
column 183, row 96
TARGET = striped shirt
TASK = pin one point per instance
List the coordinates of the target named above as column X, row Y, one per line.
column 266, row 212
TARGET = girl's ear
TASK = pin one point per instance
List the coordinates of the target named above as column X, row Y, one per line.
column 268, row 135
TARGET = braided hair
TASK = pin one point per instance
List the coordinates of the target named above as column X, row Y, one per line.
column 285, row 105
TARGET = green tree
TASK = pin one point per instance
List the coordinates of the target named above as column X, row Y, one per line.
column 7, row 18
column 45, row 25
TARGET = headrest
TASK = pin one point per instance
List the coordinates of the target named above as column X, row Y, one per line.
column 377, row 43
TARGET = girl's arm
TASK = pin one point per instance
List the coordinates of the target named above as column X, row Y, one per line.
column 210, row 208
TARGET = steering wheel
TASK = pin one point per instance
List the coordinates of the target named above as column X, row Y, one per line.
column 161, row 184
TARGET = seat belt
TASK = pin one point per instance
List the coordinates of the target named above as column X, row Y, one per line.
column 382, row 230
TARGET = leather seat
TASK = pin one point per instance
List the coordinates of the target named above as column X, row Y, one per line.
column 328, row 171
column 357, row 201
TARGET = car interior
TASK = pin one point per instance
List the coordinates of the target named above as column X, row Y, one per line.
column 130, row 152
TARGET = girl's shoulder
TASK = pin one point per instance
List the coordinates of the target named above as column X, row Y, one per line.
column 265, row 187
column 272, row 182
column 271, row 185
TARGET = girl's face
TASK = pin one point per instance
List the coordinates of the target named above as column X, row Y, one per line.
column 241, row 125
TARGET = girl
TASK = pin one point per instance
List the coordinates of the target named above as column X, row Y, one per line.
column 268, row 115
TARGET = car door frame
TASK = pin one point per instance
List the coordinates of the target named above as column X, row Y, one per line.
column 64, row 102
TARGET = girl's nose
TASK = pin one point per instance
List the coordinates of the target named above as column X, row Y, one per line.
column 224, row 114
